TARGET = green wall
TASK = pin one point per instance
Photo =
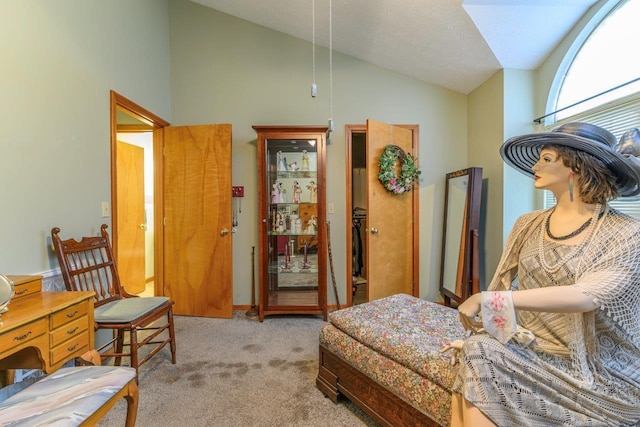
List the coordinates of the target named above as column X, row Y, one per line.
column 60, row 59
column 192, row 65
column 225, row 70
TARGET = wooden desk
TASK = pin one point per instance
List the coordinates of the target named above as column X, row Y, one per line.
column 44, row 330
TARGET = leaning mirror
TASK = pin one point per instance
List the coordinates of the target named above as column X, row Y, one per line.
column 461, row 218
column 6, row 292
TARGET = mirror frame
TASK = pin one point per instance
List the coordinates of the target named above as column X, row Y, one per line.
column 467, row 281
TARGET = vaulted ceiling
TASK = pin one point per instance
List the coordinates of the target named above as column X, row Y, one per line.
column 457, row 44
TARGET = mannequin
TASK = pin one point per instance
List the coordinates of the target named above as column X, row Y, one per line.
column 571, row 315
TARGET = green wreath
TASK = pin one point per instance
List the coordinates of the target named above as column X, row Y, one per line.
column 409, row 172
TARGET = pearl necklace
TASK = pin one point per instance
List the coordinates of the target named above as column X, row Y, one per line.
column 591, row 224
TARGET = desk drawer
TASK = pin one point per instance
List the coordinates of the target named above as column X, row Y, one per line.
column 28, row 288
column 70, row 313
column 23, row 334
column 26, row 285
column 74, row 347
column 69, row 330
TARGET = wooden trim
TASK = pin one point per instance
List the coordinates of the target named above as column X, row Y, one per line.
column 157, row 125
column 338, row 378
column 134, row 128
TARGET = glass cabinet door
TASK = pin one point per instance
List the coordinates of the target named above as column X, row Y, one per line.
column 292, row 253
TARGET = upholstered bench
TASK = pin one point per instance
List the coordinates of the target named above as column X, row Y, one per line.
column 77, row 396
column 385, row 357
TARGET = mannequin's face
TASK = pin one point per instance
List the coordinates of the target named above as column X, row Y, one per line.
column 551, row 173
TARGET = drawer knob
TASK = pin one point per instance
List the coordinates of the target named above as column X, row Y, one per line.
column 72, row 331
column 70, row 315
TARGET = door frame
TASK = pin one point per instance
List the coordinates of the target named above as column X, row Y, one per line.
column 119, row 102
column 350, row 129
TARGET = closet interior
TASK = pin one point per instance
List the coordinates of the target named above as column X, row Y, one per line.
column 359, row 217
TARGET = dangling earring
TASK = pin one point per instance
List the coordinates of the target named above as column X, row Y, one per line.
column 571, row 186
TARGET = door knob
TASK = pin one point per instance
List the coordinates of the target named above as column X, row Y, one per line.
column 374, row 230
column 143, row 227
column 224, row 232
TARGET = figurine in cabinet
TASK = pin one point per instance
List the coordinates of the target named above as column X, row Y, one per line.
column 313, row 190
column 305, row 161
column 297, row 190
column 283, row 193
column 312, row 225
column 282, row 162
column 275, row 193
column 280, row 222
column 293, row 166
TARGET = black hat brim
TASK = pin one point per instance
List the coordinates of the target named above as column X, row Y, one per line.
column 522, row 152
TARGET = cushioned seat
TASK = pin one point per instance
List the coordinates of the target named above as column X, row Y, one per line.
column 127, row 310
column 72, row 397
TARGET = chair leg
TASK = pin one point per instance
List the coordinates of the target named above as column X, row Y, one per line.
column 133, row 342
column 119, row 346
column 172, row 336
column 132, row 403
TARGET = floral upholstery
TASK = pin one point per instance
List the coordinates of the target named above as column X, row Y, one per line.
column 396, row 341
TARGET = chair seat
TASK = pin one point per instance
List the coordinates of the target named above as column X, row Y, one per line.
column 127, row 309
column 67, row 397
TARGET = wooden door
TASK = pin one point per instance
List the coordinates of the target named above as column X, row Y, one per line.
column 390, row 220
column 197, row 214
column 131, row 220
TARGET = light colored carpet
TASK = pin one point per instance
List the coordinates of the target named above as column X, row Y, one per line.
column 239, row 372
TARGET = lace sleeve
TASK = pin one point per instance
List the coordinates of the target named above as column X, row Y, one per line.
column 609, row 272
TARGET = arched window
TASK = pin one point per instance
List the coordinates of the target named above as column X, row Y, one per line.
column 602, row 83
column 607, row 66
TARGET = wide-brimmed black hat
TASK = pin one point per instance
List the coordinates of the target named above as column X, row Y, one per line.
column 522, row 152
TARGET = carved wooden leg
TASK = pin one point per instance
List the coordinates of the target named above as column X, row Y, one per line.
column 132, row 403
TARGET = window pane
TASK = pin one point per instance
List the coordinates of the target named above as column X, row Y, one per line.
column 606, row 60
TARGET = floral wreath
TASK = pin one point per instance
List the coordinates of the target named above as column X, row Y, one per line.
column 409, row 172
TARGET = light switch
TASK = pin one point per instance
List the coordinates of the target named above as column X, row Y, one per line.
column 106, row 210
column 331, row 208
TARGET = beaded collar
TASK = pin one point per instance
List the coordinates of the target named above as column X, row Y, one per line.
column 591, row 225
column 574, row 233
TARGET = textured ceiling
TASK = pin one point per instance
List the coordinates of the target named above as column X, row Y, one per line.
column 452, row 43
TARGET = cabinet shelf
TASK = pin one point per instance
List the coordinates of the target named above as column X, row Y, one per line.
column 286, row 233
column 294, row 174
column 291, row 201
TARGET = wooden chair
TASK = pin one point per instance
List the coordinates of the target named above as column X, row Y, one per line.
column 88, row 265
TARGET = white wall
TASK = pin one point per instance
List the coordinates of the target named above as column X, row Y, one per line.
column 225, row 70
column 59, row 61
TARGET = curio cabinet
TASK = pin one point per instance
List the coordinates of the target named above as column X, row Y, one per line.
column 291, row 220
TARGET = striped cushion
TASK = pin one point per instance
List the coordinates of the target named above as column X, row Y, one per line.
column 65, row 398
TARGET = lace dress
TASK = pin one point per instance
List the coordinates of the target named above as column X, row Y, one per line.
column 545, row 384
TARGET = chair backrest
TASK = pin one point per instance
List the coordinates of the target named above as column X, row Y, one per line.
column 88, row 265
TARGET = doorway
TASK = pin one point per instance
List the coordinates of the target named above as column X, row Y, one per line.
column 361, row 285
column 135, row 207
column 136, row 127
